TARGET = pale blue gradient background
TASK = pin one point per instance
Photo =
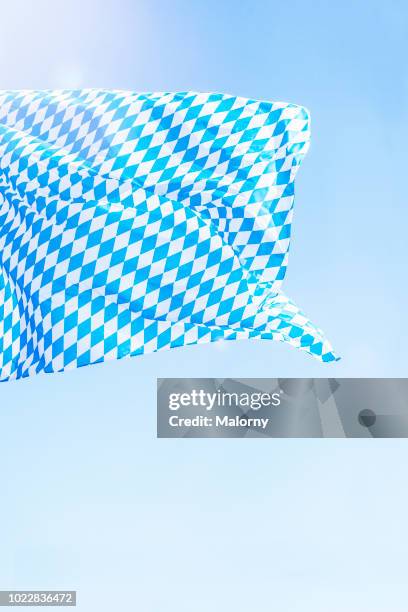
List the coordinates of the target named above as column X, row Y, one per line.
column 90, row 499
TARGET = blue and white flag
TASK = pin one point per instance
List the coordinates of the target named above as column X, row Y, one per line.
column 136, row 222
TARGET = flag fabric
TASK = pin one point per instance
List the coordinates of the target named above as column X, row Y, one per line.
column 131, row 223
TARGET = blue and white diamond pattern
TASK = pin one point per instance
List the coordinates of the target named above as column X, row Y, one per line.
column 135, row 222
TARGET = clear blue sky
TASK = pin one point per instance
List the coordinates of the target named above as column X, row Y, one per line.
column 90, row 498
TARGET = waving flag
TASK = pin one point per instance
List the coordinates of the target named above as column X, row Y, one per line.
column 135, row 222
